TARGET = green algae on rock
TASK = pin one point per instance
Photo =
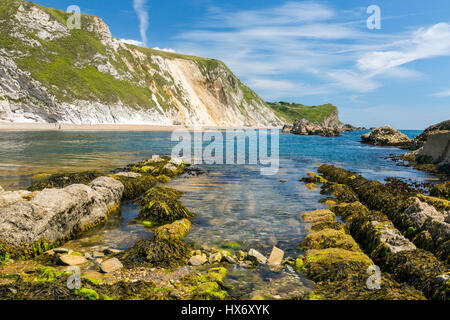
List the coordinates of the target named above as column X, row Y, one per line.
column 318, row 216
column 333, row 264
column 165, row 249
column 52, row 216
column 441, row 190
column 175, row 231
column 404, row 211
column 161, row 205
column 61, row 180
column 134, row 187
column 392, row 251
column 329, row 238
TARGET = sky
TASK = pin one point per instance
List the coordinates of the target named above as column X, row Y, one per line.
column 311, row 52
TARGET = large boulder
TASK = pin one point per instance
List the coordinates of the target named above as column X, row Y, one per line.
column 30, row 221
column 436, row 150
column 385, row 136
column 306, row 128
column 419, row 141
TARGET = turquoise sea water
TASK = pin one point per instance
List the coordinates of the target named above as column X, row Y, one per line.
column 233, row 203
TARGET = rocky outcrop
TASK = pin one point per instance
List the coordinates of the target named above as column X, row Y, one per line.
column 32, row 221
column 436, row 150
column 434, row 155
column 307, row 128
column 110, row 81
column 385, row 136
column 419, row 141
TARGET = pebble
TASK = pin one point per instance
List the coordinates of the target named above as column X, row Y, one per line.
column 198, row 260
column 97, row 254
column 256, row 257
column 112, row 251
column 276, row 257
column 71, row 260
column 111, row 265
column 215, row 258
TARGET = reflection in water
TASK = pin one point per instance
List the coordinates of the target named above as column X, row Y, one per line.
column 117, row 233
column 234, row 203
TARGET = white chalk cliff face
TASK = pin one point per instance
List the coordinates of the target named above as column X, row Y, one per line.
column 49, row 73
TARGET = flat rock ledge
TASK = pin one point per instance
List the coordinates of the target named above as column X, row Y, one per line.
column 31, row 222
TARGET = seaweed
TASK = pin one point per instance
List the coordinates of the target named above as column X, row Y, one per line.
column 161, row 205
column 62, row 180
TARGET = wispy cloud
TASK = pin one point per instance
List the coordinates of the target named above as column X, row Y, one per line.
column 328, row 49
column 424, row 43
column 141, row 11
column 442, row 94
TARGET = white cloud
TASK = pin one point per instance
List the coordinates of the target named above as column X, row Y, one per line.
column 286, row 14
column 328, row 50
column 424, row 43
column 165, row 49
column 276, row 89
column 441, row 94
column 133, row 42
column 141, row 11
column 353, row 81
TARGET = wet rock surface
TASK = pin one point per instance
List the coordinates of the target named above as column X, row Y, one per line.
column 52, row 215
column 375, row 229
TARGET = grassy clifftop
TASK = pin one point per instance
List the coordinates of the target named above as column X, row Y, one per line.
column 80, row 67
column 292, row 111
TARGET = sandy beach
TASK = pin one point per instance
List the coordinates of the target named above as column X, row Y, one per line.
column 5, row 126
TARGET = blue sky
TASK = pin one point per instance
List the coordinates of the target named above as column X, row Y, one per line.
column 310, row 52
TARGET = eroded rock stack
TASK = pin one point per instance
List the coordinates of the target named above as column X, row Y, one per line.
column 306, row 128
column 385, row 136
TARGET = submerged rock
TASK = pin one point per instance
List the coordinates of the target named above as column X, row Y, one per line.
column 72, row 260
column 111, row 265
column 165, row 249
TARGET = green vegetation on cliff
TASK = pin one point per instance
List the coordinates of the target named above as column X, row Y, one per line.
column 82, row 66
column 293, row 111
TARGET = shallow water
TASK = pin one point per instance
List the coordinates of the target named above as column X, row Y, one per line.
column 236, row 206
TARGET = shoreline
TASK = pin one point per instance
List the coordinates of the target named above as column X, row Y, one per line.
column 15, row 126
